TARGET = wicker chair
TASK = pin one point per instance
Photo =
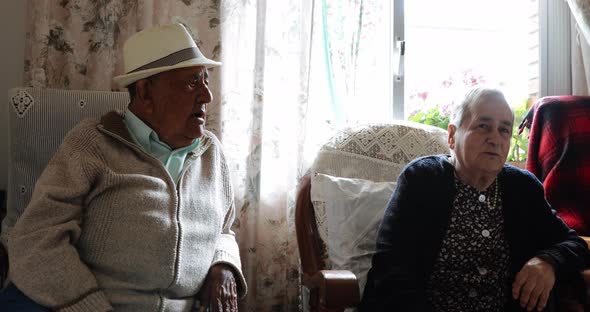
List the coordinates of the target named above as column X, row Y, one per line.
column 372, row 152
column 38, row 121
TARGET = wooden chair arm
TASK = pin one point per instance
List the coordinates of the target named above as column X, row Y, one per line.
column 335, row 289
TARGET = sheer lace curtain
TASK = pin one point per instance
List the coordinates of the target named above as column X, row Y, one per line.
column 294, row 72
column 352, row 48
column 266, row 55
column 580, row 10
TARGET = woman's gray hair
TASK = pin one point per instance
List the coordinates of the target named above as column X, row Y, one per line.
column 474, row 97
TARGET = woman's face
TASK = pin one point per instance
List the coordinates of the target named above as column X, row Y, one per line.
column 482, row 141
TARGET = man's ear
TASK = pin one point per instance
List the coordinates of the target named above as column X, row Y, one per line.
column 144, row 95
column 452, row 129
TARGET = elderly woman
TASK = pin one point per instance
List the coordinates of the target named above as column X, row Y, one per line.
column 466, row 232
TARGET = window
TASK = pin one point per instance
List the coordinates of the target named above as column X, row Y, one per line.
column 473, row 43
column 384, row 60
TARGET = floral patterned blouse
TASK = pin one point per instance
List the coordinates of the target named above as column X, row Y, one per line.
column 471, row 271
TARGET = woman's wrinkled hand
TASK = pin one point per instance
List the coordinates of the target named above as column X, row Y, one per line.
column 533, row 284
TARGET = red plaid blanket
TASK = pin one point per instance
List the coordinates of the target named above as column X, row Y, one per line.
column 559, row 155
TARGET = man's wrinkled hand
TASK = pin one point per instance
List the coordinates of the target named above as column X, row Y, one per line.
column 219, row 293
column 533, row 284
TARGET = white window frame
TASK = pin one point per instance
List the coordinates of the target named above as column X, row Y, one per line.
column 397, row 46
column 554, row 51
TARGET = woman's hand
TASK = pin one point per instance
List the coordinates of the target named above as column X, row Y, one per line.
column 533, row 284
column 219, row 292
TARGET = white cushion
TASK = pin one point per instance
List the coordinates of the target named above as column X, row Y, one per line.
column 354, row 209
column 376, row 152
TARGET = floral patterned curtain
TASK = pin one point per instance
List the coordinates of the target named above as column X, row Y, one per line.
column 264, row 94
column 78, row 44
column 259, row 108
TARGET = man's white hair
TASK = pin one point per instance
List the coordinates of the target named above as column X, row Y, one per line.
column 473, row 98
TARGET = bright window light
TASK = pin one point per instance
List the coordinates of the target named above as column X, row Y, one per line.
column 454, row 45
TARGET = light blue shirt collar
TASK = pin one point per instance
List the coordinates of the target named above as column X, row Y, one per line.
column 148, row 140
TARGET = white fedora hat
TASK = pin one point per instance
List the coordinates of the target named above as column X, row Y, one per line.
column 158, row 49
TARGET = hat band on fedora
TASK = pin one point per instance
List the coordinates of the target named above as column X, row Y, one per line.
column 171, row 59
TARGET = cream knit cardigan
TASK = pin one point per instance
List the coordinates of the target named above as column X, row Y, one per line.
column 107, row 228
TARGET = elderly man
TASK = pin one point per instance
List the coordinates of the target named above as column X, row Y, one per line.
column 466, row 232
column 134, row 211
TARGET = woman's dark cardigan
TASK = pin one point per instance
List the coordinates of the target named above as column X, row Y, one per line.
column 417, row 218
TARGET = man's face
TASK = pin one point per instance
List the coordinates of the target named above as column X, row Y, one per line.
column 482, row 141
column 179, row 105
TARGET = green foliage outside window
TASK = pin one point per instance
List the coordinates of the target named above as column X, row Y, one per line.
column 519, row 144
column 432, row 116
